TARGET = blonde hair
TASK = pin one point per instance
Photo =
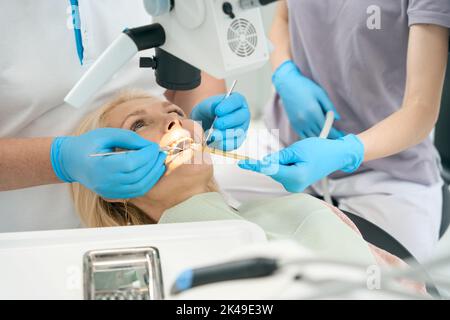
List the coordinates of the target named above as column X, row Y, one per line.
column 93, row 210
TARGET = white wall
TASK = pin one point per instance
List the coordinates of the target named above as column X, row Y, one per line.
column 256, row 85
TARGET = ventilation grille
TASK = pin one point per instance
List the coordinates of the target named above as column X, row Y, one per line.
column 242, row 37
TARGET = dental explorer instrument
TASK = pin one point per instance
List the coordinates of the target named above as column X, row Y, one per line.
column 165, row 149
column 212, row 125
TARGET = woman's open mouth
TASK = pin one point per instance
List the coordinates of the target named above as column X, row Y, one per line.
column 180, row 147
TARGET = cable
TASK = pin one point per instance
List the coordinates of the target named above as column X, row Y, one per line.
column 325, row 288
column 419, row 272
column 415, row 272
column 329, row 119
column 337, row 287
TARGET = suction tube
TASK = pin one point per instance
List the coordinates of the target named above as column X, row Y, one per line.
column 122, row 50
column 329, row 119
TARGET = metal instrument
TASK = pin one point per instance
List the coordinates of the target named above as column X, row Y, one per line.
column 210, row 131
column 123, row 274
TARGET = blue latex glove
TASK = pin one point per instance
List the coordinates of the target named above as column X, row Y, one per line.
column 310, row 160
column 305, row 103
column 122, row 176
column 233, row 120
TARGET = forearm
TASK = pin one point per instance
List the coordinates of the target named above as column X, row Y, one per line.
column 187, row 100
column 25, row 163
column 426, row 65
column 279, row 36
column 398, row 132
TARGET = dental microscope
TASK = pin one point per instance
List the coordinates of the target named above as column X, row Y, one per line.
column 222, row 38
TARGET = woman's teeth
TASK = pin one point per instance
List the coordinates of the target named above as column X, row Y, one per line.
column 181, row 145
column 182, row 151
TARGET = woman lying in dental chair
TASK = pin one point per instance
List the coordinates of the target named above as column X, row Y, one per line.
column 188, row 193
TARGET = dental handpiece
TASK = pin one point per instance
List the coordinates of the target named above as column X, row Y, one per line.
column 235, row 270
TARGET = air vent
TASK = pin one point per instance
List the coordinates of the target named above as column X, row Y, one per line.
column 242, row 37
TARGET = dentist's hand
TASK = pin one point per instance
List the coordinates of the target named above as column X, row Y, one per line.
column 233, row 120
column 122, row 176
column 305, row 103
column 308, row 161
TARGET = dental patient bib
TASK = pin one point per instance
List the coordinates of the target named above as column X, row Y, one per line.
column 300, row 217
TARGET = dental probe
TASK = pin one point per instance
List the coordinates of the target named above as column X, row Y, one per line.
column 165, row 149
column 212, row 125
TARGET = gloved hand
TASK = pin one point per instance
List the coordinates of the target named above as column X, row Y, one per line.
column 231, row 125
column 305, row 103
column 122, row 176
column 310, row 160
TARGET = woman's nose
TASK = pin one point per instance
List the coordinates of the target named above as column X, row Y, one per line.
column 172, row 123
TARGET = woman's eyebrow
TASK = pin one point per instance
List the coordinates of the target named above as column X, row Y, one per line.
column 135, row 113
column 167, row 104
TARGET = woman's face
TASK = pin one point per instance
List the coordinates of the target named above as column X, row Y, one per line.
column 165, row 123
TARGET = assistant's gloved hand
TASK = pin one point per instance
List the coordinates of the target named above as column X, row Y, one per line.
column 310, row 160
column 231, row 125
column 122, row 176
column 305, row 103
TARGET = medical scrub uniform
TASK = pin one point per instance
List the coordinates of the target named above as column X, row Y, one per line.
column 357, row 51
column 39, row 64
